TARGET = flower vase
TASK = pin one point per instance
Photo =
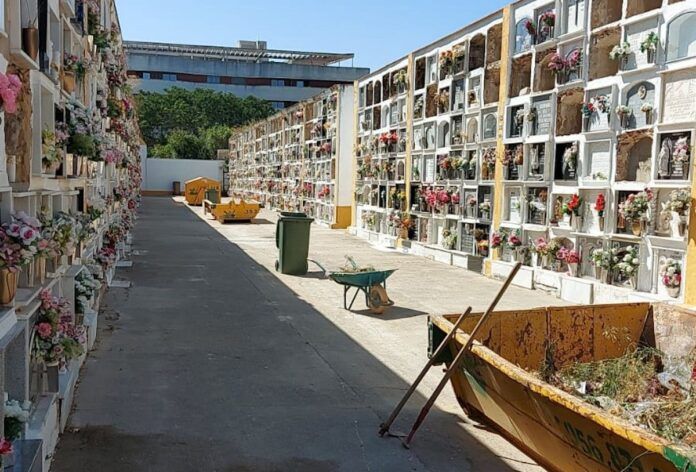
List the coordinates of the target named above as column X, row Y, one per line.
column 485, row 216
column 403, row 233
column 576, row 223
column 53, row 264
column 545, row 262
column 566, row 221
column 30, row 42
column 52, row 377
column 623, row 63
column 651, row 56
column 648, row 117
column 682, row 226
column 637, row 227
column 519, row 255
column 673, row 291
column 624, row 120
column 69, row 82
column 597, row 272
column 506, row 172
column 12, row 168
column 484, row 172
column 573, row 269
column 471, row 211
column 535, row 259
column 40, row 269
column 26, row 276
column 519, row 172
column 600, row 221
column 8, row 286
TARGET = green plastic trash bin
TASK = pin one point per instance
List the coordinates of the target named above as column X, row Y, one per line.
column 212, row 195
column 292, row 241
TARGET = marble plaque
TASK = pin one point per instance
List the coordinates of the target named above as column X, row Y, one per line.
column 635, row 35
column 429, row 169
column 489, row 126
column 599, row 157
column 575, row 15
column 543, row 122
column 515, row 203
column 638, row 95
column 679, row 93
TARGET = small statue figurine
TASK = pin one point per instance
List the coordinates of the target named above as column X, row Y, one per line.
column 664, row 158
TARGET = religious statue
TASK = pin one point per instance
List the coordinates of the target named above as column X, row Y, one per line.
column 664, row 158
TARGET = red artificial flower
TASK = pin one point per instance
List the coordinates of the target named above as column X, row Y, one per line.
column 5, row 447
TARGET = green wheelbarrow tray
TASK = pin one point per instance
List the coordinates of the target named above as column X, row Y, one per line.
column 373, row 284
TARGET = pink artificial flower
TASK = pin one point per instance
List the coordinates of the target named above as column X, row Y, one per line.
column 13, row 230
column 45, row 330
column 5, row 447
column 14, row 81
column 28, row 235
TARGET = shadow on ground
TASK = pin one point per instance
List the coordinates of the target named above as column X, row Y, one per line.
column 215, row 365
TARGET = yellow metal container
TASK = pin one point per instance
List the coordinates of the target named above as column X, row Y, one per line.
column 234, row 210
column 559, row 430
column 195, row 189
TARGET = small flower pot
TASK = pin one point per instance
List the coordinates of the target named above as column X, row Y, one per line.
column 673, row 291
column 8, row 286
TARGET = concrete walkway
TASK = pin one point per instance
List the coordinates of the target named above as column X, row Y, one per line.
column 213, row 362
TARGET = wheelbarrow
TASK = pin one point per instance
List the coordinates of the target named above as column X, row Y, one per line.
column 372, row 283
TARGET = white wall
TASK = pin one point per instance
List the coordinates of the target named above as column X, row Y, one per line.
column 158, row 174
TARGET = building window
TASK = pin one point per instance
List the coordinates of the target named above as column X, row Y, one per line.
column 169, row 77
column 277, row 83
column 300, row 83
column 213, row 79
column 146, row 75
column 681, row 37
column 278, row 105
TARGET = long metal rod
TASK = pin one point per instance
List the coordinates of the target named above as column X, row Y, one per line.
column 460, row 357
column 384, row 427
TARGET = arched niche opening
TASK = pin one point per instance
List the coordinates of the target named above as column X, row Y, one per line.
column 681, row 37
column 378, row 92
column 369, row 92
column 443, row 134
column 490, row 126
column 544, row 79
column 477, row 51
column 523, row 39
column 472, row 130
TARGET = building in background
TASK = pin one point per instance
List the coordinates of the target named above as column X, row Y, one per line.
column 250, row 69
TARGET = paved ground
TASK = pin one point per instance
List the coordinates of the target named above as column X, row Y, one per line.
column 213, row 362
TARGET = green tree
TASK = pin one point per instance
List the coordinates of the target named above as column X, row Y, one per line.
column 194, row 112
column 216, row 137
column 181, row 144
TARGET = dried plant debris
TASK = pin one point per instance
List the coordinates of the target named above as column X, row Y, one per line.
column 644, row 387
column 351, row 267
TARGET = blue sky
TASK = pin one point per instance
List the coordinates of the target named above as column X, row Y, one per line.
column 356, row 26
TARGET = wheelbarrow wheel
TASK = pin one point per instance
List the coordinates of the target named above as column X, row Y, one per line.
column 377, row 300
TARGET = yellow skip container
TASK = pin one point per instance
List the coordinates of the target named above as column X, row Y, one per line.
column 195, row 189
